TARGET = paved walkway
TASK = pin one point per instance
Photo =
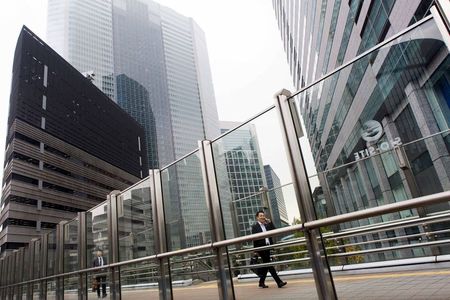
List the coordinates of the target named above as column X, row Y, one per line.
column 410, row 284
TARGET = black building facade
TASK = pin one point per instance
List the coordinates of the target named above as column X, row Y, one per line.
column 68, row 145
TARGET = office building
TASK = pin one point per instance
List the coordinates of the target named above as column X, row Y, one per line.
column 80, row 31
column 159, row 62
column 161, row 77
column 276, row 198
column 68, row 145
column 396, row 97
column 245, row 172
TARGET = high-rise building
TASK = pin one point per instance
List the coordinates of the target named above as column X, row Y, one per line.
column 81, row 32
column 276, row 198
column 161, row 77
column 159, row 62
column 245, row 172
column 68, row 145
column 396, row 97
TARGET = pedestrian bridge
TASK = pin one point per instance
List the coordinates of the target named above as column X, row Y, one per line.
column 374, row 221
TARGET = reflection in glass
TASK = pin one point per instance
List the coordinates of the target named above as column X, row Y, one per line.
column 71, row 246
column 140, row 280
column 135, row 222
column 185, row 209
column 97, row 232
column 379, row 133
column 194, row 275
column 249, row 174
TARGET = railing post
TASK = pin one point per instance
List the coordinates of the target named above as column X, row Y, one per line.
column 30, row 286
column 226, row 290
column 114, row 286
column 82, row 258
column 291, row 131
column 20, row 268
column 59, row 265
column 2, row 278
column 159, row 225
column 43, row 271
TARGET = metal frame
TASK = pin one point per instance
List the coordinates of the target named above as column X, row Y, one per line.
column 225, row 285
column 82, row 256
column 159, row 225
column 114, row 272
column 21, row 267
column 12, row 264
column 59, row 266
column 388, row 208
column 290, row 131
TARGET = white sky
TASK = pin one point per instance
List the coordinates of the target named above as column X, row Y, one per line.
column 246, row 56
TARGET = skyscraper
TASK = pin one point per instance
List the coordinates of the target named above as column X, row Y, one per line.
column 81, row 32
column 397, row 97
column 68, row 145
column 245, row 174
column 160, row 64
column 276, row 198
column 161, row 78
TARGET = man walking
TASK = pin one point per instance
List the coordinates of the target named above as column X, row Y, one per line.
column 99, row 261
column 262, row 225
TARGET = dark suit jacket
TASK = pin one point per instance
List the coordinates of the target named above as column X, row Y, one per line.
column 95, row 262
column 256, row 228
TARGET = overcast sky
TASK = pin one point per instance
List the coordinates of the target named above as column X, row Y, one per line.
column 245, row 50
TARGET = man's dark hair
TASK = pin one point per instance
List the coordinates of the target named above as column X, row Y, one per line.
column 258, row 212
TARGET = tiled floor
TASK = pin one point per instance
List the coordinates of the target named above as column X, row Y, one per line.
column 421, row 284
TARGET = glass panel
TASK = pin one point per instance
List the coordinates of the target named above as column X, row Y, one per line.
column 97, row 233
column 185, row 209
column 135, row 222
column 51, row 290
column 378, row 131
column 51, row 254
column 71, row 285
column 250, row 164
column 194, row 276
column 290, row 260
column 36, row 290
column 71, row 246
column 140, row 280
column 253, row 175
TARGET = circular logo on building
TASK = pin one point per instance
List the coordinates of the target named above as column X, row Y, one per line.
column 371, row 131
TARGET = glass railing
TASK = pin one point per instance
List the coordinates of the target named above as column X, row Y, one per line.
column 378, row 130
column 379, row 134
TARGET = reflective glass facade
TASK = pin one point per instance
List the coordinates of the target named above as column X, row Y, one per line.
column 81, row 32
column 372, row 106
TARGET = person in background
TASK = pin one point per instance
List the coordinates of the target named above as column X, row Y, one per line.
column 262, row 225
column 99, row 261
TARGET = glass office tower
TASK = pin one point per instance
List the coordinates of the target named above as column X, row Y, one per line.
column 81, row 32
column 162, row 78
column 245, row 175
column 357, row 115
column 276, row 198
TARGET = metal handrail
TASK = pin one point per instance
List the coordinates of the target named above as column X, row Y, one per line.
column 367, row 52
column 387, row 208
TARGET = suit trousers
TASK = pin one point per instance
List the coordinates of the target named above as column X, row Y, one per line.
column 102, row 282
column 265, row 256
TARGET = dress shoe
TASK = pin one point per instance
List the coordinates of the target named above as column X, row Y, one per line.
column 281, row 284
column 263, row 286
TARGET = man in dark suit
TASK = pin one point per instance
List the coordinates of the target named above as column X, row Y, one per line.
column 262, row 224
column 99, row 261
